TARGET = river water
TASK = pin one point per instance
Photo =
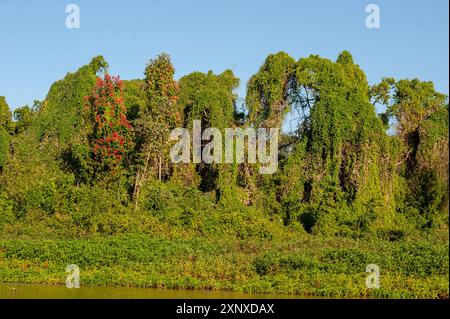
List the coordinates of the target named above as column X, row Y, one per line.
column 36, row 291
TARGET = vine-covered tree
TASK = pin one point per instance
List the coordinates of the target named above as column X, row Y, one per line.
column 268, row 90
column 421, row 123
column 333, row 181
column 156, row 120
column 210, row 99
column 110, row 139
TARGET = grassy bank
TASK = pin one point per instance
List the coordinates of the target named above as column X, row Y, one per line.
column 333, row 267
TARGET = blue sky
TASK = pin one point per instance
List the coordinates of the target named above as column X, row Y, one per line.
column 37, row 49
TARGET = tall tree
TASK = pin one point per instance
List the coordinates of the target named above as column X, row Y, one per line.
column 333, row 181
column 420, row 114
column 210, row 99
column 110, row 139
column 156, row 120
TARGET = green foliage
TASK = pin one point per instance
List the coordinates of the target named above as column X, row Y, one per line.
column 187, row 208
column 5, row 116
column 60, row 116
column 306, row 266
column 267, row 90
column 60, row 127
column 210, row 99
column 340, row 174
column 6, row 210
column 347, row 193
column 421, row 114
column 134, row 98
column 159, row 83
column 4, row 146
column 6, row 127
column 157, row 116
column 333, row 181
column 24, row 117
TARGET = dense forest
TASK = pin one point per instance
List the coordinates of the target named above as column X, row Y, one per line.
column 353, row 186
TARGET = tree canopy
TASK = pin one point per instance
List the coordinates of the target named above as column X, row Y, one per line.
column 345, row 171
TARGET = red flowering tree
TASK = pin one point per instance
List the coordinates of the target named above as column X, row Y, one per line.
column 110, row 138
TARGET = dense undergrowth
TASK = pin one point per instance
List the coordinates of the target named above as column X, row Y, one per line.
column 305, row 266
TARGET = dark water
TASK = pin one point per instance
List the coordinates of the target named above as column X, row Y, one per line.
column 31, row 291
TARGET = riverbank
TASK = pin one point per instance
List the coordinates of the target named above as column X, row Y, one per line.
column 306, row 266
column 41, row 291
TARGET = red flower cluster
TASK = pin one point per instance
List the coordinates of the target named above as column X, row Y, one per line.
column 111, row 140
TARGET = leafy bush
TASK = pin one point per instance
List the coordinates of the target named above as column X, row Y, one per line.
column 4, row 146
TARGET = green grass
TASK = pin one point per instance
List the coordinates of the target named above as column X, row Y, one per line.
column 313, row 266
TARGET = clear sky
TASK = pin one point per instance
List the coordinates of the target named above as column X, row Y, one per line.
column 36, row 48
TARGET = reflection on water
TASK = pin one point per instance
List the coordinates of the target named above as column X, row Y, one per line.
column 28, row 291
